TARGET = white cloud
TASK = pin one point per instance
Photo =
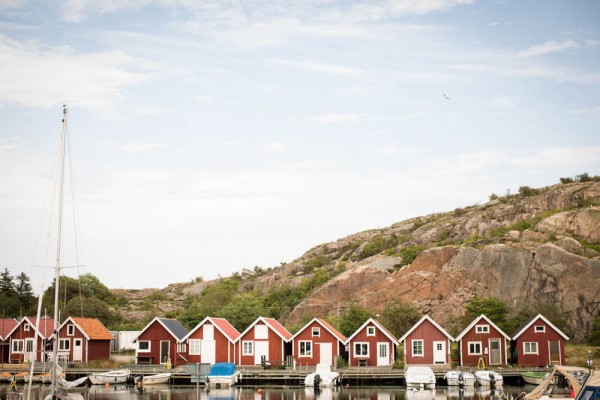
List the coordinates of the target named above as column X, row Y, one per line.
column 274, row 147
column 148, row 148
column 507, row 102
column 337, row 118
column 560, row 157
column 548, row 48
column 320, row 67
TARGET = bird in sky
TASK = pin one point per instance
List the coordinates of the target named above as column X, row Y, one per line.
column 446, row 97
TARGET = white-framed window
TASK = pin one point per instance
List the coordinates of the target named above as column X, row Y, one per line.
column 539, row 328
column 17, row 346
column 261, row 332
column 474, row 348
column 247, row 348
column 195, row 346
column 417, row 348
column 361, row 349
column 64, row 344
column 370, row 331
column 181, row 347
column 70, row 330
column 305, row 348
column 26, row 327
column 482, row 328
column 316, row 332
column 144, row 346
column 530, row 348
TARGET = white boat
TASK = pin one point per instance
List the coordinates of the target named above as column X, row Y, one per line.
column 419, row 394
column 155, row 379
column 459, row 378
column 222, row 375
column 322, row 377
column 419, row 377
column 486, row 377
column 113, row 376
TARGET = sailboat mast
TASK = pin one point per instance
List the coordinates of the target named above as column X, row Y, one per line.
column 63, row 141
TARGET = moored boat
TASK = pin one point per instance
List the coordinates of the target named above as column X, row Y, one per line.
column 534, row 377
column 155, row 379
column 322, row 377
column 420, row 377
column 222, row 375
column 486, row 377
column 459, row 378
column 113, row 376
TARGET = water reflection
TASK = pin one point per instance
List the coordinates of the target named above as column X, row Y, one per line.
column 166, row 392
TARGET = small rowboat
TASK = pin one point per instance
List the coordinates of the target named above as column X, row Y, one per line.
column 534, row 377
column 113, row 376
column 155, row 379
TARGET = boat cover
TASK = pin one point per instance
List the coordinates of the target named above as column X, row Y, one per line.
column 575, row 375
column 222, row 369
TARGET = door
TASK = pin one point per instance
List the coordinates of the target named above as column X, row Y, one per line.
column 207, row 351
column 439, row 352
column 261, row 348
column 554, row 352
column 325, row 356
column 495, row 352
column 208, row 332
column 383, row 354
column 29, row 354
column 77, row 349
column 165, row 354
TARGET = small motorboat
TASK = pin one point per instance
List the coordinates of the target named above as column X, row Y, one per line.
column 155, row 379
column 486, row 377
column 322, row 377
column 420, row 377
column 113, row 376
column 222, row 375
column 459, row 378
column 534, row 377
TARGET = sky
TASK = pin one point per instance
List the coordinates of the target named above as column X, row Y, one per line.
column 210, row 136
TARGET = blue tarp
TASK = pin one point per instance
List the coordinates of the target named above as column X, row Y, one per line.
column 222, row 369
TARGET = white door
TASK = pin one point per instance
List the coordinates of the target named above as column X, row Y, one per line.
column 439, row 352
column 77, row 349
column 29, row 354
column 207, row 351
column 325, row 353
column 164, row 351
column 383, row 354
column 261, row 348
column 208, row 332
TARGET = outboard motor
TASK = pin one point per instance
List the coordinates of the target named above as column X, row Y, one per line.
column 317, row 381
column 461, row 379
column 492, row 380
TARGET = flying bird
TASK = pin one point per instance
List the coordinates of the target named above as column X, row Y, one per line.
column 446, row 97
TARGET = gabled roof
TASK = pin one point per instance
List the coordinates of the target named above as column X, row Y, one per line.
column 525, row 325
column 172, row 326
column 379, row 326
column 475, row 321
column 327, row 327
column 91, row 328
column 221, row 324
column 45, row 329
column 426, row 318
column 6, row 326
column 273, row 324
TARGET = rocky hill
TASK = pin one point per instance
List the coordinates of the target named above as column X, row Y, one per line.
column 541, row 246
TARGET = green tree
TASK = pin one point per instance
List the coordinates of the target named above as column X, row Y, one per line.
column 493, row 308
column 7, row 284
column 595, row 334
column 352, row 319
column 549, row 311
column 91, row 307
column 9, row 302
column 25, row 294
column 243, row 310
column 398, row 317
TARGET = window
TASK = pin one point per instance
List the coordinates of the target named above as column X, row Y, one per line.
column 361, row 349
column 70, row 330
column 539, row 328
column 316, row 332
column 64, row 344
column 26, row 327
column 17, row 346
column 247, row 348
column 474, row 348
column 530, row 348
column 181, row 347
column 482, row 328
column 370, row 331
column 195, row 346
column 417, row 348
column 144, row 346
column 305, row 348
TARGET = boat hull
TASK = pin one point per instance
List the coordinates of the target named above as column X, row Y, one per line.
column 534, row 378
column 460, row 378
column 156, row 379
column 110, row 377
column 420, row 378
column 488, row 378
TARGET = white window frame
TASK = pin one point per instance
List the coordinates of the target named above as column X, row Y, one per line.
column 484, row 328
column 412, row 347
column 148, row 350
column 17, row 346
column 539, row 328
column 370, row 331
column 247, row 347
column 361, row 346
column 305, row 348
column 70, row 330
column 474, row 352
column 316, row 331
column 26, row 327
column 528, row 348
column 181, row 347
column 195, row 347
column 64, row 344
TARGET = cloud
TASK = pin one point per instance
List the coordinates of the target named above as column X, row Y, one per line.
column 555, row 73
column 148, row 148
column 595, row 111
column 320, row 67
column 337, row 118
column 560, row 157
column 548, row 48
column 274, row 147
column 33, row 75
column 507, row 102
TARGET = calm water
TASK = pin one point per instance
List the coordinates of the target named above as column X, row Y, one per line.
column 165, row 392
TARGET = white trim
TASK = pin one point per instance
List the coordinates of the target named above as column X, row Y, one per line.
column 251, row 348
column 12, row 346
column 317, row 330
column 475, row 321
column 148, row 350
column 341, row 340
column 360, row 344
column 266, row 322
column 537, row 348
column 412, row 347
column 541, row 330
column 61, row 344
column 428, row 318
column 194, row 347
column 371, row 330
column 379, row 326
column 474, row 343
column 533, row 320
column 307, row 354
column 212, row 321
column 482, row 329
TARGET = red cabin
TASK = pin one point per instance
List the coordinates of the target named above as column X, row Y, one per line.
column 482, row 340
column 427, row 343
column 318, row 343
column 212, row 341
column 6, row 325
column 160, row 342
column 537, row 343
column 265, row 340
column 22, row 338
column 83, row 340
column 372, row 345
